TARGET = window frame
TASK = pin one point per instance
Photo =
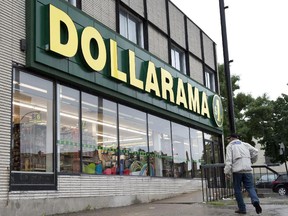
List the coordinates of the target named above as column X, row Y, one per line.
column 178, row 59
column 129, row 17
column 210, row 79
column 133, row 142
column 182, row 166
column 93, row 142
column 75, row 3
column 160, row 148
column 41, row 180
column 69, row 138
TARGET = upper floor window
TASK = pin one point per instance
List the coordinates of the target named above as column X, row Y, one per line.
column 178, row 59
column 76, row 3
column 131, row 28
column 210, row 80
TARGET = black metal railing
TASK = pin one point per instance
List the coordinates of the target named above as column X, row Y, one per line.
column 214, row 184
column 216, row 187
column 263, row 176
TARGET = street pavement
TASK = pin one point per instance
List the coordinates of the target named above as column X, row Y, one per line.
column 191, row 204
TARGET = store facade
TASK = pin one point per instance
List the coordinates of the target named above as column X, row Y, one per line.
column 91, row 119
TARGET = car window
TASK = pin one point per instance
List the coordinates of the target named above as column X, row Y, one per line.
column 263, row 178
column 272, row 177
column 283, row 178
column 267, row 178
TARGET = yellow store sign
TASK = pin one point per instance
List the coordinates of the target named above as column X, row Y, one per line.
column 67, row 40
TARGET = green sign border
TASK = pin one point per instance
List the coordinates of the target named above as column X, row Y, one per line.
column 74, row 71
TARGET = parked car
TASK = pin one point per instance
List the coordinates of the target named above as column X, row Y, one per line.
column 280, row 185
column 265, row 181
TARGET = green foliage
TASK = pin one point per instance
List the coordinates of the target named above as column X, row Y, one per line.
column 276, row 131
column 224, row 96
column 259, row 118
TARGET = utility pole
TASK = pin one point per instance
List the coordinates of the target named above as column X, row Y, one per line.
column 226, row 67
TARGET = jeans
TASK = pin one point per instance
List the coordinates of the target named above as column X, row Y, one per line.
column 247, row 180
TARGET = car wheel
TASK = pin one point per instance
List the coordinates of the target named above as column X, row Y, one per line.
column 282, row 191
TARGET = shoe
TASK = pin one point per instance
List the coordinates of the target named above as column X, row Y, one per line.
column 240, row 212
column 257, row 207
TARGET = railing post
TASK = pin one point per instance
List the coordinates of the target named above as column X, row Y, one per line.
column 216, row 187
column 202, row 180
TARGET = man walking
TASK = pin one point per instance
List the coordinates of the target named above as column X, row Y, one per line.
column 239, row 158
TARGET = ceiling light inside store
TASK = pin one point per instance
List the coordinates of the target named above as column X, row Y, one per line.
column 30, row 87
column 111, row 125
column 67, row 98
column 30, row 106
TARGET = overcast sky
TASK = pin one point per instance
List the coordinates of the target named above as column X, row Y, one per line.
column 257, row 40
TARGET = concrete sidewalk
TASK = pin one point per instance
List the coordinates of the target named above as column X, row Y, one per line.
column 192, row 204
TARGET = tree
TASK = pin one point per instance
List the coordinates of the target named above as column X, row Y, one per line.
column 276, row 131
column 257, row 118
column 261, row 118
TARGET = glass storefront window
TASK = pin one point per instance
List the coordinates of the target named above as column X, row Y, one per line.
column 99, row 135
column 94, row 140
column 209, row 159
column 212, row 149
column 196, row 138
column 160, row 146
column 96, row 136
column 32, row 148
column 32, row 144
column 68, row 143
column 133, row 142
column 181, row 151
column 212, row 156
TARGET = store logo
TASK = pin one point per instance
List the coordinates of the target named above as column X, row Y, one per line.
column 98, row 52
column 217, row 110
